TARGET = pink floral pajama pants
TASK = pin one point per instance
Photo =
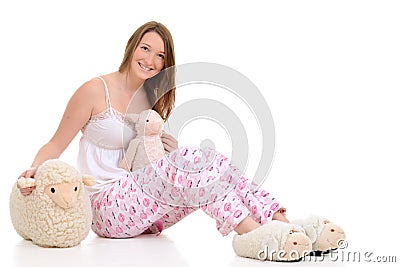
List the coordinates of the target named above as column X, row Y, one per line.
column 156, row 197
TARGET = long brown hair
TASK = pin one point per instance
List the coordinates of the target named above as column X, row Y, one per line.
column 160, row 88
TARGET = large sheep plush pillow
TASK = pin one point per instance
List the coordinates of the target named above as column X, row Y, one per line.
column 58, row 212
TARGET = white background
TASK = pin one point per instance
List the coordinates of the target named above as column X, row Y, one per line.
column 329, row 71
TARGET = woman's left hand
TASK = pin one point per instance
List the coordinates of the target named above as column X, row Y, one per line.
column 169, row 142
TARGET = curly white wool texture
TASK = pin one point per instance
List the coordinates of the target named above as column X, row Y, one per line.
column 36, row 217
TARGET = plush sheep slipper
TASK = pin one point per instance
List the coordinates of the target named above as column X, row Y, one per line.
column 274, row 241
column 324, row 234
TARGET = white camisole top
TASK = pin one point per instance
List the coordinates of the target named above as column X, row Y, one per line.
column 104, row 139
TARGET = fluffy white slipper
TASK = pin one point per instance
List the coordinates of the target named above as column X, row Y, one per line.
column 324, row 234
column 274, row 241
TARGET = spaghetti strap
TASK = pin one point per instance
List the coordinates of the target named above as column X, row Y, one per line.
column 107, row 94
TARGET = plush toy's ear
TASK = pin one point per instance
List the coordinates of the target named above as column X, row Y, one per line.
column 87, row 180
column 311, row 233
column 26, row 182
column 297, row 228
column 132, row 117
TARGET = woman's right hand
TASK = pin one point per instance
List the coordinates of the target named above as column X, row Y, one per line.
column 29, row 173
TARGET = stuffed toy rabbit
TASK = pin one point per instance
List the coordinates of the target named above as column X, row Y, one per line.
column 146, row 147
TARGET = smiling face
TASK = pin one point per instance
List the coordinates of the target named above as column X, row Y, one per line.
column 144, row 58
column 148, row 57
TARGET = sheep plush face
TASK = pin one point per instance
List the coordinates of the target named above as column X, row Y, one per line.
column 147, row 122
column 290, row 239
column 274, row 241
column 65, row 187
column 64, row 195
column 324, row 234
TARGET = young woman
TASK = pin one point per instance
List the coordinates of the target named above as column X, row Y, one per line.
column 127, row 204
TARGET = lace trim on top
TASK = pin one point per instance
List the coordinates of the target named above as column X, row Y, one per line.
column 107, row 113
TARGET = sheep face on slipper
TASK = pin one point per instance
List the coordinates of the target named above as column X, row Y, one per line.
column 324, row 234
column 274, row 241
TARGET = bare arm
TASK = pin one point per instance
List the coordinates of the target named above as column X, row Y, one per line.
column 77, row 113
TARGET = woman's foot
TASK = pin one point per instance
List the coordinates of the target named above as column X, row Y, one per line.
column 248, row 224
column 280, row 215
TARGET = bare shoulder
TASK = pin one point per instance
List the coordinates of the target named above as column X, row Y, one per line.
column 91, row 92
column 91, row 88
